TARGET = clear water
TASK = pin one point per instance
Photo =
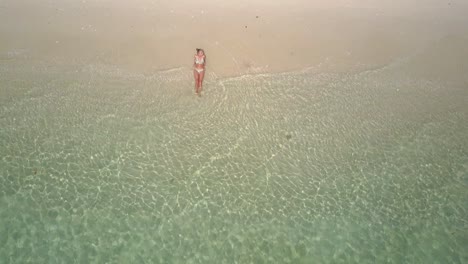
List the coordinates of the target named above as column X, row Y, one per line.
column 99, row 165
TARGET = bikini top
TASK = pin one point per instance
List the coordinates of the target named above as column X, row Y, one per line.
column 199, row 60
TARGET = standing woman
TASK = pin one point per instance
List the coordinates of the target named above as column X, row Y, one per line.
column 199, row 70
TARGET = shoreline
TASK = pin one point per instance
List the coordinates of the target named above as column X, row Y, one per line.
column 41, row 66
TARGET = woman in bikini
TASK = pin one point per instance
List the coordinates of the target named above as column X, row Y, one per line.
column 199, row 70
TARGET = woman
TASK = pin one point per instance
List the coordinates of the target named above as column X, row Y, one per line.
column 199, row 70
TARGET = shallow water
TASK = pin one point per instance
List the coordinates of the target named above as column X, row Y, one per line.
column 102, row 165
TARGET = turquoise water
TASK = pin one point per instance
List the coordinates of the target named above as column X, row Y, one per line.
column 100, row 165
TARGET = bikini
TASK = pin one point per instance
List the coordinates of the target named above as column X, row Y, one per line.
column 199, row 61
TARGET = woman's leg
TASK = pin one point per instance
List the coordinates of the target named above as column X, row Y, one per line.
column 200, row 81
column 196, row 76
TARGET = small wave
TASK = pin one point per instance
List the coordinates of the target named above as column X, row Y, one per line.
column 112, row 71
column 445, row 58
column 15, row 54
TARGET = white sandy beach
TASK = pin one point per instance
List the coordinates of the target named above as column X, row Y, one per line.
column 239, row 37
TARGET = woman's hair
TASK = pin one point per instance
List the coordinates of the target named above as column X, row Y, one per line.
column 200, row 50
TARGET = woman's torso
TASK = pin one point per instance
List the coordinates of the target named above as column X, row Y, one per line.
column 199, row 61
